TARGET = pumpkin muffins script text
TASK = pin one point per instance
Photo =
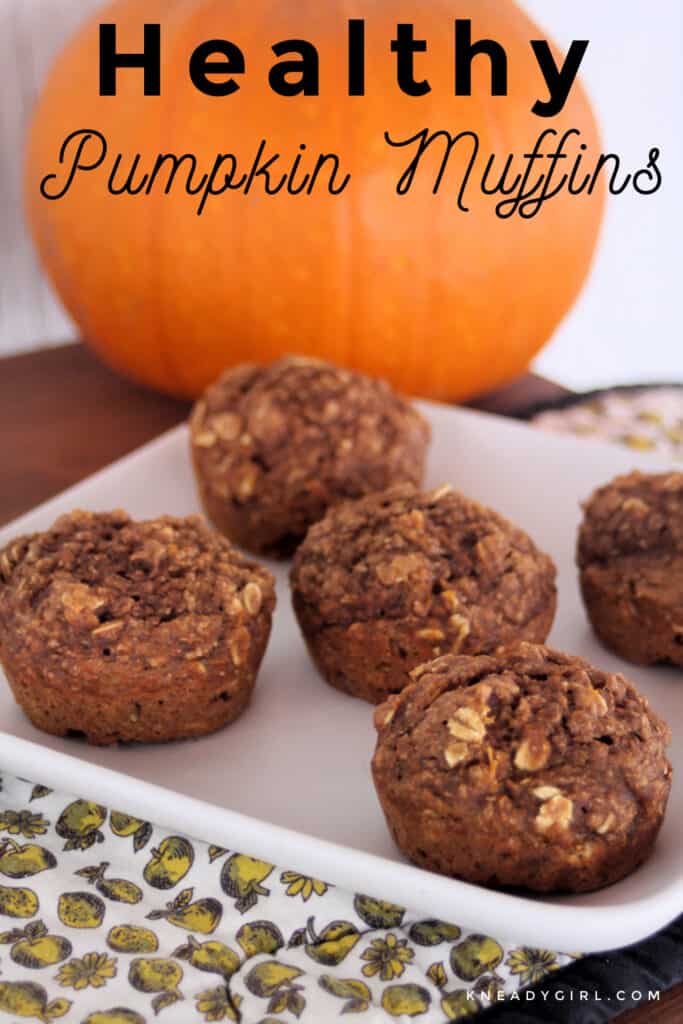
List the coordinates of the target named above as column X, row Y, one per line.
column 438, row 161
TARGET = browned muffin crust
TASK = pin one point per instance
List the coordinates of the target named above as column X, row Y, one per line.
column 527, row 769
column 274, row 447
column 123, row 630
column 386, row 583
column 630, row 557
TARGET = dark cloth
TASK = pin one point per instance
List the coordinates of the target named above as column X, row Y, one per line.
column 650, row 966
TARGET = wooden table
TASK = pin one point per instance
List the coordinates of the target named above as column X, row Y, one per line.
column 63, row 416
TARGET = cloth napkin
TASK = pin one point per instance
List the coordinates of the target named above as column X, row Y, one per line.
column 107, row 919
column 645, row 419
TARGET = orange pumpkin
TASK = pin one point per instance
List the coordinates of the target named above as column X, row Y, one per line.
column 443, row 303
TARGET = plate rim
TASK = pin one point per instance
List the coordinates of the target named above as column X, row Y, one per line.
column 168, row 809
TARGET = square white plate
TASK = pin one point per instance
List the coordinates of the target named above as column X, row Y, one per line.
column 290, row 782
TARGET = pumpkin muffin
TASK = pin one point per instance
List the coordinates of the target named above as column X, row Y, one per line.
column 121, row 630
column 526, row 769
column 386, row 583
column 630, row 557
column 273, row 448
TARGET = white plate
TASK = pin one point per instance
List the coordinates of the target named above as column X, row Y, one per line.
column 291, row 777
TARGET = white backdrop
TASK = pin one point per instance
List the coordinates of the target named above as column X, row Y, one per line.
column 625, row 327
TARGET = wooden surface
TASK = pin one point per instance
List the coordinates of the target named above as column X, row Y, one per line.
column 63, row 416
column 669, row 1010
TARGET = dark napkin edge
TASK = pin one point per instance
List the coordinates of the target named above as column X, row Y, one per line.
column 574, row 398
column 654, row 964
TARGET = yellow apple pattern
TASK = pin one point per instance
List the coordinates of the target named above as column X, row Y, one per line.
column 108, row 919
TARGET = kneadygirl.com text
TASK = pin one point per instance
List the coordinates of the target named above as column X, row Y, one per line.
column 531, row 995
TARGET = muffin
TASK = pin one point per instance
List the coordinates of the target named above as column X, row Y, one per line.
column 273, row 448
column 119, row 630
column 630, row 557
column 526, row 769
column 386, row 583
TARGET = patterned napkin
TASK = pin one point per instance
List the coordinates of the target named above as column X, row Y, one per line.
column 644, row 419
column 107, row 919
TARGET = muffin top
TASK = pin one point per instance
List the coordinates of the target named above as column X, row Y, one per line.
column 565, row 751
column 634, row 515
column 100, row 583
column 301, row 421
column 436, row 555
